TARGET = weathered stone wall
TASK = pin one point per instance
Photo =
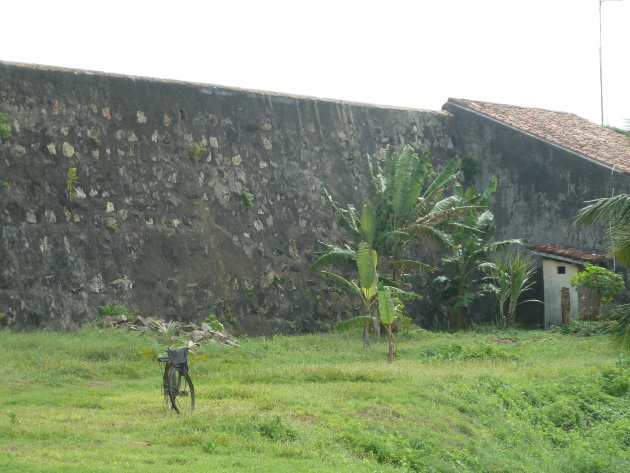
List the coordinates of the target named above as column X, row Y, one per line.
column 541, row 186
column 231, row 234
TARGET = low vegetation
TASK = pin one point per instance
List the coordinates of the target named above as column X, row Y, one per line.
column 482, row 401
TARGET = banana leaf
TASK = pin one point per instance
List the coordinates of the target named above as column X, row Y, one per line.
column 354, row 322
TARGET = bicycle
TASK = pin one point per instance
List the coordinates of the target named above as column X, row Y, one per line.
column 177, row 387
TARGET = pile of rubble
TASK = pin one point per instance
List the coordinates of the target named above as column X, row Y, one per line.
column 147, row 325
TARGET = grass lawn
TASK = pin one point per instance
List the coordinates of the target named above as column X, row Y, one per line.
column 532, row 402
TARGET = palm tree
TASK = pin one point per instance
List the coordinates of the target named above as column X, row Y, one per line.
column 614, row 214
column 473, row 244
column 406, row 203
column 511, row 275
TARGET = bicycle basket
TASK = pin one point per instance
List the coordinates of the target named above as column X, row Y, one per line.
column 178, row 356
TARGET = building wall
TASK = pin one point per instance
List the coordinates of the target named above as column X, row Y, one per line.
column 554, row 283
column 231, row 233
column 541, row 187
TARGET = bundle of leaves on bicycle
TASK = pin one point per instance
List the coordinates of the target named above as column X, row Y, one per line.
column 177, row 387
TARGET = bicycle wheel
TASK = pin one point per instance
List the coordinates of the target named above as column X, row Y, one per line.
column 165, row 386
column 180, row 390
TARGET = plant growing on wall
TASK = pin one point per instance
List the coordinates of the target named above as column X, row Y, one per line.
column 248, row 199
column 71, row 182
column 5, row 126
column 606, row 284
column 195, row 152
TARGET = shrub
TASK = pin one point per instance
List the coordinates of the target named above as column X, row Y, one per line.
column 5, row 126
column 617, row 381
column 565, row 415
column 212, row 321
column 606, row 284
column 276, row 428
column 484, row 350
column 580, row 328
column 113, row 309
column 448, row 352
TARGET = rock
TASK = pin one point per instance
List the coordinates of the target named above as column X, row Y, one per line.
column 18, row 151
column 138, row 321
column 206, row 328
column 31, row 217
column 67, row 149
column 96, row 284
column 114, row 320
column 123, row 283
column 189, row 328
column 80, row 193
column 198, row 335
column 50, row 216
column 225, row 338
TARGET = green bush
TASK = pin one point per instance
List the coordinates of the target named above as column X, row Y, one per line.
column 565, row 415
column 617, row 381
column 448, row 352
column 391, row 449
column 5, row 126
column 484, row 350
column 113, row 309
column 276, row 428
column 581, row 328
column 607, row 284
column 211, row 320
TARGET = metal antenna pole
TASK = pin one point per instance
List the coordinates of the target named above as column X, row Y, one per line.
column 601, row 74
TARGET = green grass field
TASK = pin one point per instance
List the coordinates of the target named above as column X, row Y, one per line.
column 84, row 402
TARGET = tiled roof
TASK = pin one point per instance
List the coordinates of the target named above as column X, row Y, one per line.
column 568, row 253
column 564, row 129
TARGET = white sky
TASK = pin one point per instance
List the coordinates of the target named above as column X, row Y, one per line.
column 538, row 53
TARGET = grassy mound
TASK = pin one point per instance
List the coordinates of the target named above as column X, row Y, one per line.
column 501, row 402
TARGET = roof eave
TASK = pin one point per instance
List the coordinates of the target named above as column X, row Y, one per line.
column 612, row 168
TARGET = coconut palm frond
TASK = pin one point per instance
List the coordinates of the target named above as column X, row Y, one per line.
column 611, row 210
column 619, row 328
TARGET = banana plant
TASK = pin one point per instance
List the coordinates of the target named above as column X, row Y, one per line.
column 365, row 287
column 407, row 203
column 382, row 303
column 390, row 309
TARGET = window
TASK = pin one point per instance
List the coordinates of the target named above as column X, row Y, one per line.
column 562, row 269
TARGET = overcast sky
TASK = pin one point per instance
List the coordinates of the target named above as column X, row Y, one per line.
column 538, row 53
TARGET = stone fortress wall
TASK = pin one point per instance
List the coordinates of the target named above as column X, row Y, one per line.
column 174, row 231
column 165, row 228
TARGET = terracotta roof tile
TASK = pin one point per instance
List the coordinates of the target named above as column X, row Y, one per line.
column 565, row 129
column 567, row 252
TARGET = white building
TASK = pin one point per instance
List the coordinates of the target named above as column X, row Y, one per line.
column 563, row 303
